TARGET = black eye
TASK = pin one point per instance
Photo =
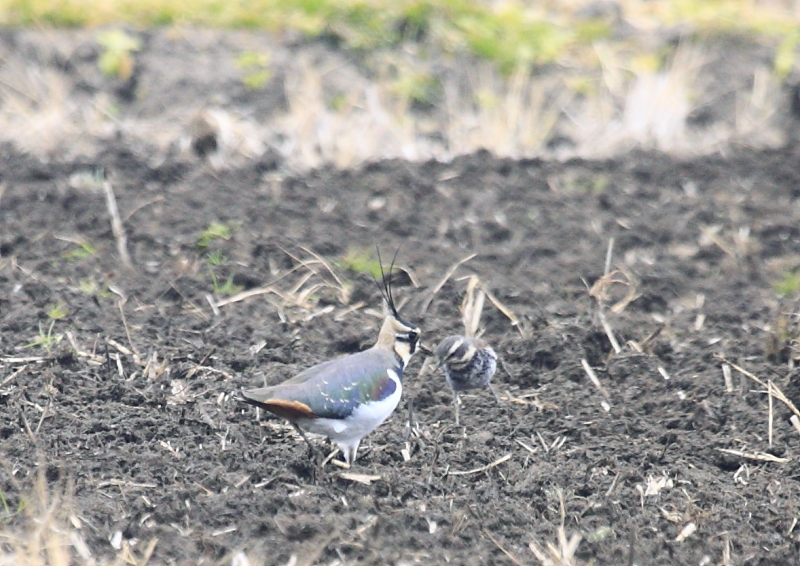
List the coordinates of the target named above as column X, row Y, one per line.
column 413, row 336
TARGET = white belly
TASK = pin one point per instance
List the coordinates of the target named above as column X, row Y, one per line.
column 364, row 419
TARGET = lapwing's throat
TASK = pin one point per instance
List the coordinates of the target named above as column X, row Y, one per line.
column 398, row 337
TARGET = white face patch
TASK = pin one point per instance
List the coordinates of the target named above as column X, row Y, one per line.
column 456, row 345
column 468, row 354
column 403, row 350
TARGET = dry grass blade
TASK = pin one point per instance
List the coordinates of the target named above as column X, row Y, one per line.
column 125, row 483
column 139, row 207
column 761, row 456
column 264, row 289
column 726, row 376
column 359, row 478
column 623, row 303
column 775, row 390
column 505, row 310
column 300, row 282
column 301, row 298
column 652, row 336
column 40, row 534
column 83, row 353
column 601, row 290
column 344, row 293
column 770, row 416
column 25, row 360
column 245, row 295
column 128, row 556
column 472, row 307
column 564, row 555
column 482, row 468
column 13, row 375
column 214, row 309
column 121, row 304
column 525, row 446
column 352, row 308
column 448, row 274
column 795, row 420
column 686, row 532
column 116, row 225
column 317, row 547
column 609, row 331
column 510, row 556
column 711, row 234
column 609, row 256
column 593, row 378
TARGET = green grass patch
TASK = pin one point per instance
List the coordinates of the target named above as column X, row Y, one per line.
column 216, row 261
column 90, row 287
column 789, row 285
column 216, row 258
column 116, row 58
column 44, row 339
column 58, row 311
column 255, row 69
column 82, row 250
column 8, row 512
column 418, row 87
column 226, row 287
column 215, row 231
column 509, row 33
column 361, row 260
column 786, row 54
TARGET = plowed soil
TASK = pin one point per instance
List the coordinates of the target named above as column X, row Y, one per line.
column 137, row 415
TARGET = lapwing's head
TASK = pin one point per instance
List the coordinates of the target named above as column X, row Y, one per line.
column 397, row 335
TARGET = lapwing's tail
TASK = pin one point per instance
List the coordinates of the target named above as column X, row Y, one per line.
column 285, row 408
column 243, row 397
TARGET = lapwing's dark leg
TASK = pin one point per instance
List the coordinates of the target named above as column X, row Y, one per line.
column 410, row 418
column 494, row 392
column 314, row 452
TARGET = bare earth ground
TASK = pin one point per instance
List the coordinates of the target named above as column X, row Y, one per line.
column 135, row 416
column 164, row 451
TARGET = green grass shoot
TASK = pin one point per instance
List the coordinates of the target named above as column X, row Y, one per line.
column 789, row 285
column 215, row 231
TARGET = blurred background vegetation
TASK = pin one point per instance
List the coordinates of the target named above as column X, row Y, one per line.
column 507, row 32
column 414, row 78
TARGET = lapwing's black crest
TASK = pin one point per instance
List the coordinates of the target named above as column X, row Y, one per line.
column 385, row 284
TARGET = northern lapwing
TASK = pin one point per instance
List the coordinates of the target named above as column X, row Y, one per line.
column 347, row 398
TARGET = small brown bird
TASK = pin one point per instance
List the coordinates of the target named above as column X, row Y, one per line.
column 469, row 363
